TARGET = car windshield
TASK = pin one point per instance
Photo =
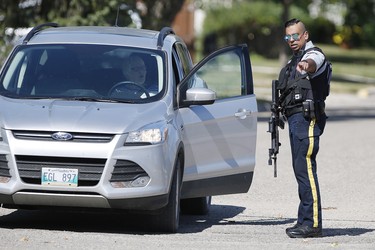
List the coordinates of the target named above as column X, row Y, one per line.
column 84, row 72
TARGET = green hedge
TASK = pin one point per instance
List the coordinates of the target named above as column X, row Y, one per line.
column 259, row 25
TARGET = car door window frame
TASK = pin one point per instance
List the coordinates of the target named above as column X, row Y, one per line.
column 247, row 86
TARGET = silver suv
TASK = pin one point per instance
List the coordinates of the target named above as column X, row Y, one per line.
column 118, row 118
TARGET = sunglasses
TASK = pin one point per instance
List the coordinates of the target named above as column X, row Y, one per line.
column 295, row 36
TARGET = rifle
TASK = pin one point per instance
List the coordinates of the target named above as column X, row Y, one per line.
column 273, row 124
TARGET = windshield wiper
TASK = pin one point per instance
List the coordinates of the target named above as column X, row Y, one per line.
column 95, row 99
column 71, row 98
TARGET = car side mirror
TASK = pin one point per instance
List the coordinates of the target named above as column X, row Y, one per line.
column 199, row 96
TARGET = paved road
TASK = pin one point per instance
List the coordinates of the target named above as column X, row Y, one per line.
column 255, row 220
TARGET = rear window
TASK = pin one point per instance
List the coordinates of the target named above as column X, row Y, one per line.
column 84, row 71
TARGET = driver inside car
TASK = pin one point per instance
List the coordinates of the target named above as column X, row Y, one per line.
column 134, row 70
column 134, row 85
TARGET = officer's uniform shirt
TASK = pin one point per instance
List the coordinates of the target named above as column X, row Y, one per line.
column 315, row 55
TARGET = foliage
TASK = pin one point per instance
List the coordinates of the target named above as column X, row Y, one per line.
column 258, row 24
column 243, row 23
column 154, row 14
column 359, row 27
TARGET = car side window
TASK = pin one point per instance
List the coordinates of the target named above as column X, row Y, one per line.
column 226, row 71
column 184, row 62
column 183, row 57
column 177, row 67
column 222, row 74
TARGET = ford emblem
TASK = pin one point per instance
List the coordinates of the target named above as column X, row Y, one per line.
column 62, row 136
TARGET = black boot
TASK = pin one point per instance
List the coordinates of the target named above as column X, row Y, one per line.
column 304, row 232
column 293, row 227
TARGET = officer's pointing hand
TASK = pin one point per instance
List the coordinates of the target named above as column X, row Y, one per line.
column 302, row 66
column 308, row 66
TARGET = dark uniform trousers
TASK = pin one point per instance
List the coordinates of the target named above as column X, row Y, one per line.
column 304, row 136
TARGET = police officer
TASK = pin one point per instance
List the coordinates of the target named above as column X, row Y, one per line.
column 306, row 119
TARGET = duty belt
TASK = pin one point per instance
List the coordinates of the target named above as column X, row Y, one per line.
column 293, row 110
column 319, row 109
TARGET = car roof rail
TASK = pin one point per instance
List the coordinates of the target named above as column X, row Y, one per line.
column 37, row 28
column 164, row 32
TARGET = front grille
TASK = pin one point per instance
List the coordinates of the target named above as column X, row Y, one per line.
column 89, row 170
column 47, row 136
column 4, row 169
column 126, row 171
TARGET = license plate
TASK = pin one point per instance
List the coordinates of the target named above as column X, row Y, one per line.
column 59, row 177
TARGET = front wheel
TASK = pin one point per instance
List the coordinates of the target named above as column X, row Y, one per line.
column 169, row 217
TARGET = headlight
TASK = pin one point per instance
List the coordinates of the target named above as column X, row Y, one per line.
column 151, row 134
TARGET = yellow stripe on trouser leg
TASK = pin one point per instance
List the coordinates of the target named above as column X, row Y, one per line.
column 310, row 173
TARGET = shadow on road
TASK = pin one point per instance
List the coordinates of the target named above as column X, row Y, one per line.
column 68, row 221
column 225, row 215
column 110, row 222
column 127, row 223
column 330, row 232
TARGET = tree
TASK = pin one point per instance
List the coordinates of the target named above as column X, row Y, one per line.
column 27, row 13
column 359, row 24
column 154, row 13
column 285, row 16
column 358, row 27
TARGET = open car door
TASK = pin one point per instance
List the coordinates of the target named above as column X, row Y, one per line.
column 219, row 137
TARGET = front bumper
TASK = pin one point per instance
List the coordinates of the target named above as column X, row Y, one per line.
column 25, row 159
column 36, row 199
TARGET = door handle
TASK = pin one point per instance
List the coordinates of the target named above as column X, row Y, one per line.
column 242, row 113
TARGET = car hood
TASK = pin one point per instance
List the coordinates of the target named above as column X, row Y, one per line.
column 78, row 116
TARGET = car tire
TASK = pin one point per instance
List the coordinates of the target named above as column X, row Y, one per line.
column 168, row 218
column 196, row 206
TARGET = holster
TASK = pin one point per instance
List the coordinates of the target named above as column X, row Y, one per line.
column 320, row 109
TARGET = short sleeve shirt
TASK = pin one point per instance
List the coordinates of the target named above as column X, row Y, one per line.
column 316, row 56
